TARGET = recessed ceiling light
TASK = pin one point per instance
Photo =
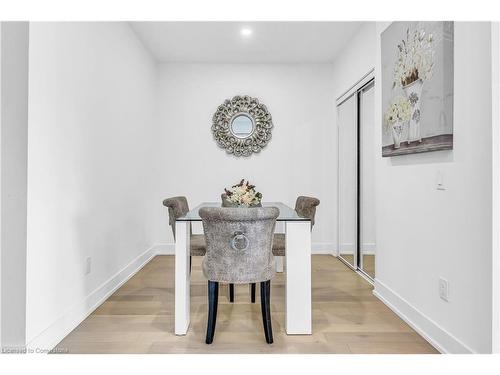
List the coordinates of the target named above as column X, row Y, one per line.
column 246, row 32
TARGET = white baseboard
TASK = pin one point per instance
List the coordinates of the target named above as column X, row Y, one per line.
column 164, row 248
column 368, row 248
column 317, row 248
column 63, row 325
column 323, row 248
column 437, row 336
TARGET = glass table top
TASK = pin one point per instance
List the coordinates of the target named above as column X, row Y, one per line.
column 286, row 213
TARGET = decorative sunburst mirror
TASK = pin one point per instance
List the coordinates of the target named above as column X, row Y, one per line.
column 242, row 125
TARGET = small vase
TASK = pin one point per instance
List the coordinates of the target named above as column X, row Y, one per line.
column 413, row 93
column 397, row 131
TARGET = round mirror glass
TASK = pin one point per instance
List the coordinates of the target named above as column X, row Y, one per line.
column 242, row 126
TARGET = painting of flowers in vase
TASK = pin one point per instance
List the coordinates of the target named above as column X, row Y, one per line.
column 417, row 87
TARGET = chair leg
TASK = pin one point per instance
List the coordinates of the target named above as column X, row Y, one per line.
column 190, row 263
column 265, row 301
column 252, row 292
column 231, row 292
column 213, row 299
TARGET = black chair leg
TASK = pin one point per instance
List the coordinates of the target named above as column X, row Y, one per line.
column 213, row 299
column 265, row 301
column 231, row 292
column 252, row 292
column 190, row 263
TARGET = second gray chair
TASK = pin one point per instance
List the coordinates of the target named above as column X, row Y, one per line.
column 305, row 207
column 239, row 251
column 177, row 207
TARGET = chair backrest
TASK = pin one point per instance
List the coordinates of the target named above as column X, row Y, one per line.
column 306, row 207
column 239, row 244
column 177, row 207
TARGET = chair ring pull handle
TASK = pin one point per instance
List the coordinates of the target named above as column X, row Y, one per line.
column 239, row 241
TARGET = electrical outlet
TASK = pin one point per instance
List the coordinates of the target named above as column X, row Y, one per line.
column 444, row 289
column 88, row 265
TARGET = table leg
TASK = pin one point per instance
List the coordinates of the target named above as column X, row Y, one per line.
column 182, row 277
column 298, row 304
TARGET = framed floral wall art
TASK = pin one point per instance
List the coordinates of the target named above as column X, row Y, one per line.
column 417, row 87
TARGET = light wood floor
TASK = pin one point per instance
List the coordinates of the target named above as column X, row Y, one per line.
column 347, row 318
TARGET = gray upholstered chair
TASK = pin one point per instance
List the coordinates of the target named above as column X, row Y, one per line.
column 177, row 207
column 227, row 203
column 239, row 251
column 305, row 207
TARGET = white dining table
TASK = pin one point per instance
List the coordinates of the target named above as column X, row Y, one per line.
column 297, row 268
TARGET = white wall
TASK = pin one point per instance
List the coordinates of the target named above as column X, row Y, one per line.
column 299, row 160
column 92, row 138
column 495, row 106
column 423, row 233
column 0, row 184
column 355, row 60
column 13, row 178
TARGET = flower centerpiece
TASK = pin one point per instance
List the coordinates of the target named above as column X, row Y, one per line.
column 241, row 194
column 397, row 114
column 414, row 65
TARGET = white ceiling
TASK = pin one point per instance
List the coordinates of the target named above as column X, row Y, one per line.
column 222, row 42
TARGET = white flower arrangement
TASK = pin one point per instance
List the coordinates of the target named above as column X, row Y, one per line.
column 243, row 194
column 415, row 58
column 399, row 110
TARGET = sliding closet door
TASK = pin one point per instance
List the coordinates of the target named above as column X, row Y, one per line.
column 367, row 180
column 347, row 172
column 356, row 216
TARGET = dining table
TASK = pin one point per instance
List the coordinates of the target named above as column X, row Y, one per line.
column 297, row 268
